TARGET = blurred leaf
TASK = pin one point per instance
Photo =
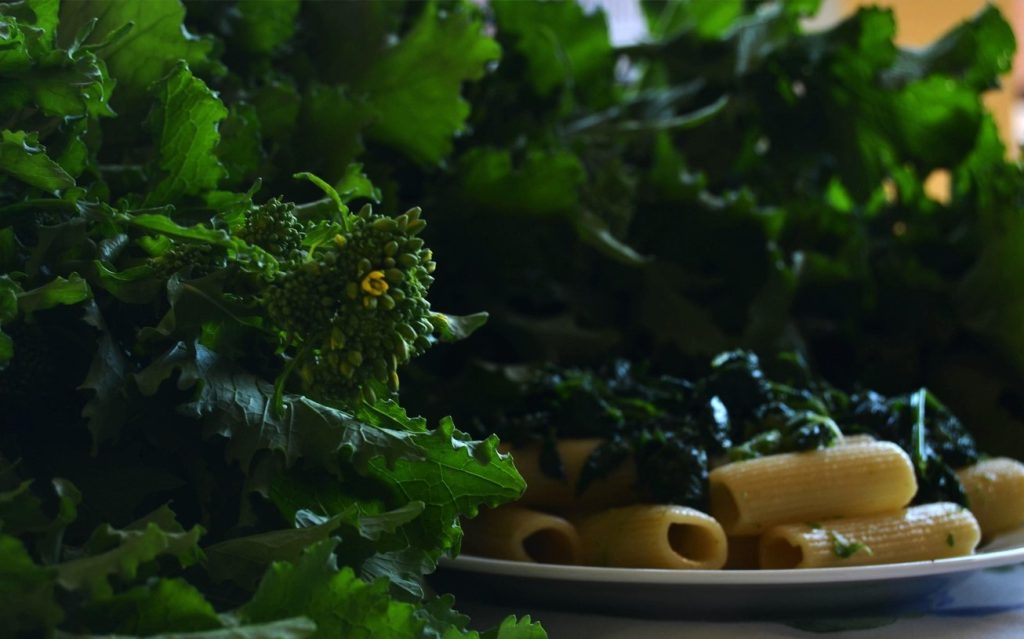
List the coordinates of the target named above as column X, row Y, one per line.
column 706, row 18
column 343, row 605
column 162, row 606
column 415, row 88
column 332, row 124
column 239, row 148
column 157, row 42
column 120, row 553
column 244, row 560
column 266, row 25
column 541, row 184
column 26, row 590
column 107, row 409
column 564, row 47
column 975, row 53
column 512, row 628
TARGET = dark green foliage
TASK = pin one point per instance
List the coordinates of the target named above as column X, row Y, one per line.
column 165, row 340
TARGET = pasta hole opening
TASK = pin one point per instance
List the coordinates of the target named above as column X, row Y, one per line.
column 779, row 553
column 723, row 505
column 697, row 543
column 550, row 546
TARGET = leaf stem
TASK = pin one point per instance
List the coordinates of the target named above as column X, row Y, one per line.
column 332, row 196
column 919, row 452
column 277, row 402
column 316, row 209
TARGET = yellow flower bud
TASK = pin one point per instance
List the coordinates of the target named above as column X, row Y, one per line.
column 374, row 283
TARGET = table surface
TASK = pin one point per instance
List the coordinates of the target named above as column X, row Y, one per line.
column 989, row 604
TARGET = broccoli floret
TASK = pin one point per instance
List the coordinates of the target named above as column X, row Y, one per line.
column 274, row 228
column 358, row 307
column 194, row 260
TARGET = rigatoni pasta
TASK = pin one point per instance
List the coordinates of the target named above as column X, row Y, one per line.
column 749, row 497
column 833, row 507
column 920, row 533
column 995, row 493
column 653, row 536
column 521, row 534
column 856, row 440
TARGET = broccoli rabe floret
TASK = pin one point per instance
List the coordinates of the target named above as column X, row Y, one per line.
column 357, row 307
column 193, row 260
column 274, row 228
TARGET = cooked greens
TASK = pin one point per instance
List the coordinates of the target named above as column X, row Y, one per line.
column 671, row 428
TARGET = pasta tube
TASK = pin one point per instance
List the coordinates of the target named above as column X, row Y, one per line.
column 856, row 440
column 748, row 497
column 920, row 533
column 995, row 493
column 560, row 494
column 520, row 534
column 645, row 536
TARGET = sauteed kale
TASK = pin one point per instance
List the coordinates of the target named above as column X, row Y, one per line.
column 741, row 409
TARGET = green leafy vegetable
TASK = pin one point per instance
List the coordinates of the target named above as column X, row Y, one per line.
column 415, row 86
column 27, row 602
column 342, row 605
column 184, row 121
column 148, row 49
column 22, row 157
column 186, row 326
column 169, row 605
column 845, row 548
column 119, row 553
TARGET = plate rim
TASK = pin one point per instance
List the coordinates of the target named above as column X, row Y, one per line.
column 658, row 576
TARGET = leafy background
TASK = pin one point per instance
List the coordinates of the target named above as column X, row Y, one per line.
column 735, row 182
column 731, row 182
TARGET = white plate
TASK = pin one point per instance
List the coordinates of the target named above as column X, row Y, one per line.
column 715, row 593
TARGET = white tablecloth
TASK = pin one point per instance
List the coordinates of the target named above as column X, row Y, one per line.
column 987, row 604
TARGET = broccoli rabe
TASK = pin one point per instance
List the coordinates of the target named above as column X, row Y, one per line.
column 937, row 442
column 274, row 228
column 356, row 308
column 192, row 260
